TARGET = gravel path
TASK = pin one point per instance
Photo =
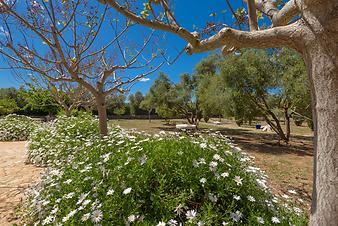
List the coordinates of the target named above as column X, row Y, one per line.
column 15, row 177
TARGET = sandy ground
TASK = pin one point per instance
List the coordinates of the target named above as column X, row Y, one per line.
column 15, row 177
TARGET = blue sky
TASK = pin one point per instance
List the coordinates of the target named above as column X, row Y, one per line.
column 189, row 13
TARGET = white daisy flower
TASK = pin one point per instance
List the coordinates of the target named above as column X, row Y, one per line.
column 238, row 180
column 191, row 214
column 127, row 191
column 161, row 223
column 203, row 180
column 132, row 218
column 236, row 216
column 260, row 220
column 212, row 197
column 251, row 199
column 237, row 197
column 85, row 217
column 225, row 174
column 96, row 216
column 110, row 192
column 275, row 220
column 173, row 222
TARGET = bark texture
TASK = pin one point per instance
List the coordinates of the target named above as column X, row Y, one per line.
column 102, row 114
column 320, row 51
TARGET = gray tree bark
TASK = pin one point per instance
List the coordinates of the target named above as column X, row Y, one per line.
column 102, row 115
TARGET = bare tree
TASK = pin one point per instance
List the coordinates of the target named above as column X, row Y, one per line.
column 308, row 26
column 66, row 41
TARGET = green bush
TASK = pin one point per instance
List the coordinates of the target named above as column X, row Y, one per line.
column 135, row 179
column 16, row 127
column 52, row 143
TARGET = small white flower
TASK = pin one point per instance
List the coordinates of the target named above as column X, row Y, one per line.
column 127, row 191
column 213, row 166
column 225, row 223
column 173, row 222
column 110, row 192
column 143, row 160
column 203, row 180
column 212, row 197
column 225, row 174
column 236, row 216
column 191, row 214
column 251, row 199
column 200, row 223
column 260, row 220
column 161, row 223
column 85, row 217
column 275, row 220
column 179, row 209
column 237, row 197
column 69, row 195
column 68, row 181
column 195, row 163
column 203, row 145
column 132, row 218
column 96, row 216
column 48, row 220
column 238, row 180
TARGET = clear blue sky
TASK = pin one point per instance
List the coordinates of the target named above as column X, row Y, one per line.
column 189, row 13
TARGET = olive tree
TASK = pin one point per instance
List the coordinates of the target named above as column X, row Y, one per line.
column 308, row 26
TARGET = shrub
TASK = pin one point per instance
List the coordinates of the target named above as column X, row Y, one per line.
column 133, row 179
column 16, row 127
column 55, row 141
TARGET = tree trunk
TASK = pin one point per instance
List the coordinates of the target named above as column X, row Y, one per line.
column 102, row 114
column 287, row 123
column 322, row 62
column 149, row 116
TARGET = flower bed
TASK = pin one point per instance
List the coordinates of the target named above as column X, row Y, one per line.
column 16, row 127
column 137, row 179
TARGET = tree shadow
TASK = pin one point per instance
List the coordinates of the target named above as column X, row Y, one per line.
column 253, row 141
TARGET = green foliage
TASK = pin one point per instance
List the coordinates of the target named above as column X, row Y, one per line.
column 135, row 101
column 16, row 127
column 137, row 179
column 8, row 106
column 295, row 83
column 116, row 104
column 39, row 99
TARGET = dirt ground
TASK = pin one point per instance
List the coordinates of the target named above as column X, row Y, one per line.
column 15, row 177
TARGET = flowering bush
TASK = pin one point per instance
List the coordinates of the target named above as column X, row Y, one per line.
column 55, row 141
column 136, row 179
column 16, row 127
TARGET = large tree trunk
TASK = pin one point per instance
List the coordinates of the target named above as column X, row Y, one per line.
column 321, row 58
column 102, row 114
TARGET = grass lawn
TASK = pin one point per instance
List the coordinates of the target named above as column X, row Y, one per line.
column 289, row 167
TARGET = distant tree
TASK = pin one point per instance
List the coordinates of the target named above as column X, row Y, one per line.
column 135, row 102
column 209, row 91
column 148, row 105
column 39, row 99
column 295, row 84
column 116, row 104
column 8, row 106
column 251, row 77
column 161, row 96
